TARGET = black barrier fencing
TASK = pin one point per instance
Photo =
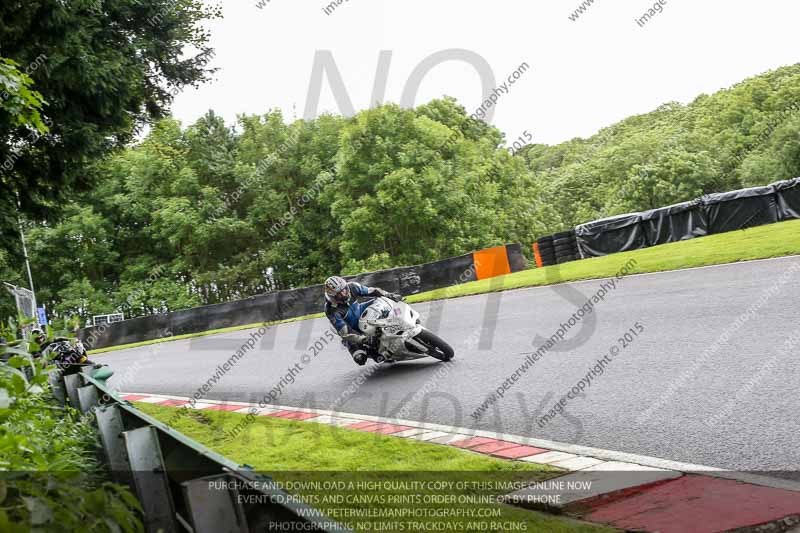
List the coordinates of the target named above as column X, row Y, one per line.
column 788, row 198
column 745, row 208
column 711, row 214
column 620, row 233
column 281, row 305
column 674, row 223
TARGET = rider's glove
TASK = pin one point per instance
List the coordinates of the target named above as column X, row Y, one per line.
column 390, row 295
column 355, row 338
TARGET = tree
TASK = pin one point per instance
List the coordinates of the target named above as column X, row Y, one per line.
column 104, row 69
column 19, row 103
column 20, row 108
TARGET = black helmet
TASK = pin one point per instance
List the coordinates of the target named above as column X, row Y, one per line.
column 336, row 291
column 38, row 335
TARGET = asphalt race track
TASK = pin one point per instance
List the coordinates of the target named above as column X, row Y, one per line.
column 735, row 407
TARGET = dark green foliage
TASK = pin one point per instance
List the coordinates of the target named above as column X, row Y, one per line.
column 103, row 69
column 51, row 481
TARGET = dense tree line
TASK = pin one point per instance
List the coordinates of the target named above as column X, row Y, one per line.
column 739, row 137
column 104, row 69
column 78, row 80
column 226, row 211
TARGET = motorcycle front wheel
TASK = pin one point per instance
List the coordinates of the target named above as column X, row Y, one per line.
column 437, row 347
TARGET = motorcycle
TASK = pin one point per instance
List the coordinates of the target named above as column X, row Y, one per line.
column 396, row 333
column 69, row 358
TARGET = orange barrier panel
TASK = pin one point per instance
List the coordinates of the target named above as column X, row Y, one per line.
column 537, row 255
column 491, row 262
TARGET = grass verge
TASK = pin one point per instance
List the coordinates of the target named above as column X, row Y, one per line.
column 291, row 451
column 763, row 242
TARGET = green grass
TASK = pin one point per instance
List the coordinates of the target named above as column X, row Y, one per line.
column 290, row 451
column 763, row 242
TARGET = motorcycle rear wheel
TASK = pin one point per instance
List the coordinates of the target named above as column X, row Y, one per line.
column 437, row 347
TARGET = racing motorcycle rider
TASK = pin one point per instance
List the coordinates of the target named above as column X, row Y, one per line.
column 69, row 357
column 343, row 309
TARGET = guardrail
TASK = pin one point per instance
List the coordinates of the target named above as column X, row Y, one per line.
column 181, row 484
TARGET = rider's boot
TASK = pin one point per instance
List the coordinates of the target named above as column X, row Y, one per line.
column 359, row 356
column 373, row 353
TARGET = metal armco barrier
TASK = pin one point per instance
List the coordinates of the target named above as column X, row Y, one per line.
column 182, row 485
column 280, row 305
